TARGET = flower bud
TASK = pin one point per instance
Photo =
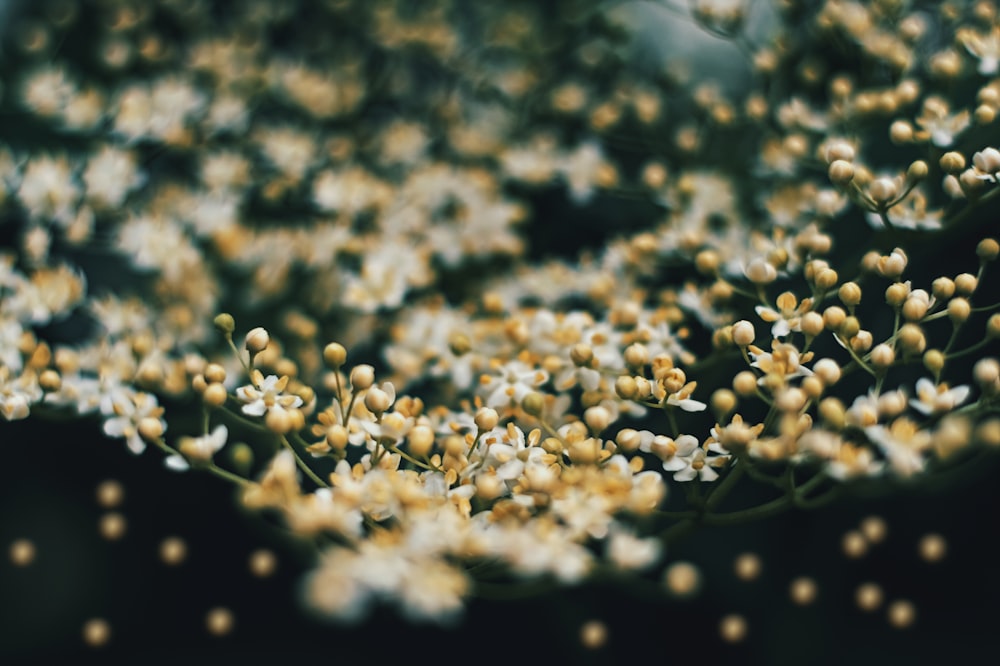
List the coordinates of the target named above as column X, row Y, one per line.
column 760, row 271
column 917, row 171
column 869, row 262
column 214, row 373
column 826, row 278
column 597, row 418
column 834, row 317
column 362, row 377
column 533, row 404
column 581, row 354
column 987, row 160
column 993, row 326
column 882, row 356
column 257, row 340
column 225, row 323
column 943, row 288
column 952, row 162
column 986, row 372
column 988, row 249
column 912, row 340
column 636, row 355
column 850, row 327
column 745, row 383
column 377, row 400
column 743, row 333
column 279, row 421
column 337, row 437
column 628, row 439
column 723, row 402
column 901, row 132
column 49, row 380
column 959, row 310
column 813, row 387
column 334, row 355
column 934, row 361
column 792, row 399
column 832, row 411
column 812, row 324
column 626, row 388
column 420, row 440
column 915, row 307
column 150, row 429
column 841, row 172
column 215, row 394
column 487, row 418
column 707, row 262
column 850, row 293
column 971, row 183
column 966, row 283
column 827, row 370
column 862, row 341
column 893, row 265
column 883, row 190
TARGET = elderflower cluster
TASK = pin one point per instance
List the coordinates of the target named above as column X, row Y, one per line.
column 521, row 305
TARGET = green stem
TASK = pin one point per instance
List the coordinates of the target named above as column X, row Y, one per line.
column 209, row 467
column 302, row 463
column 766, row 510
column 232, row 345
column 724, row 487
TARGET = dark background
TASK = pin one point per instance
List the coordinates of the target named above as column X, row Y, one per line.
column 157, row 612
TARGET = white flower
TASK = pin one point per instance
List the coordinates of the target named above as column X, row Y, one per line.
column 683, row 399
column 266, row 394
column 200, row 449
column 129, row 409
column 49, row 190
column 687, row 459
column 903, row 444
column 110, row 175
column 17, row 394
column 985, row 47
column 516, row 380
column 937, row 399
column 783, row 360
column 627, row 551
column 788, row 316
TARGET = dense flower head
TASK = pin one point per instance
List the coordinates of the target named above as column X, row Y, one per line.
column 509, row 315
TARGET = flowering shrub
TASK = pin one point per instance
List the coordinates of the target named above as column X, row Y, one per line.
column 428, row 375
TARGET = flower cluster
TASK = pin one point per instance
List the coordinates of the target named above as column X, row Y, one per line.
column 761, row 298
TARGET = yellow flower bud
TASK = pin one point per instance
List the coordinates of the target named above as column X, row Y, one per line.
column 334, row 355
column 934, row 361
column 743, row 333
column 959, row 310
column 966, row 283
column 943, row 288
column 745, row 383
column 952, row 162
column 882, row 356
column 225, row 323
column 988, row 249
column 362, row 377
column 626, row 388
column 812, row 324
column 257, row 340
column 912, row 340
column 850, row 293
column 215, row 394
